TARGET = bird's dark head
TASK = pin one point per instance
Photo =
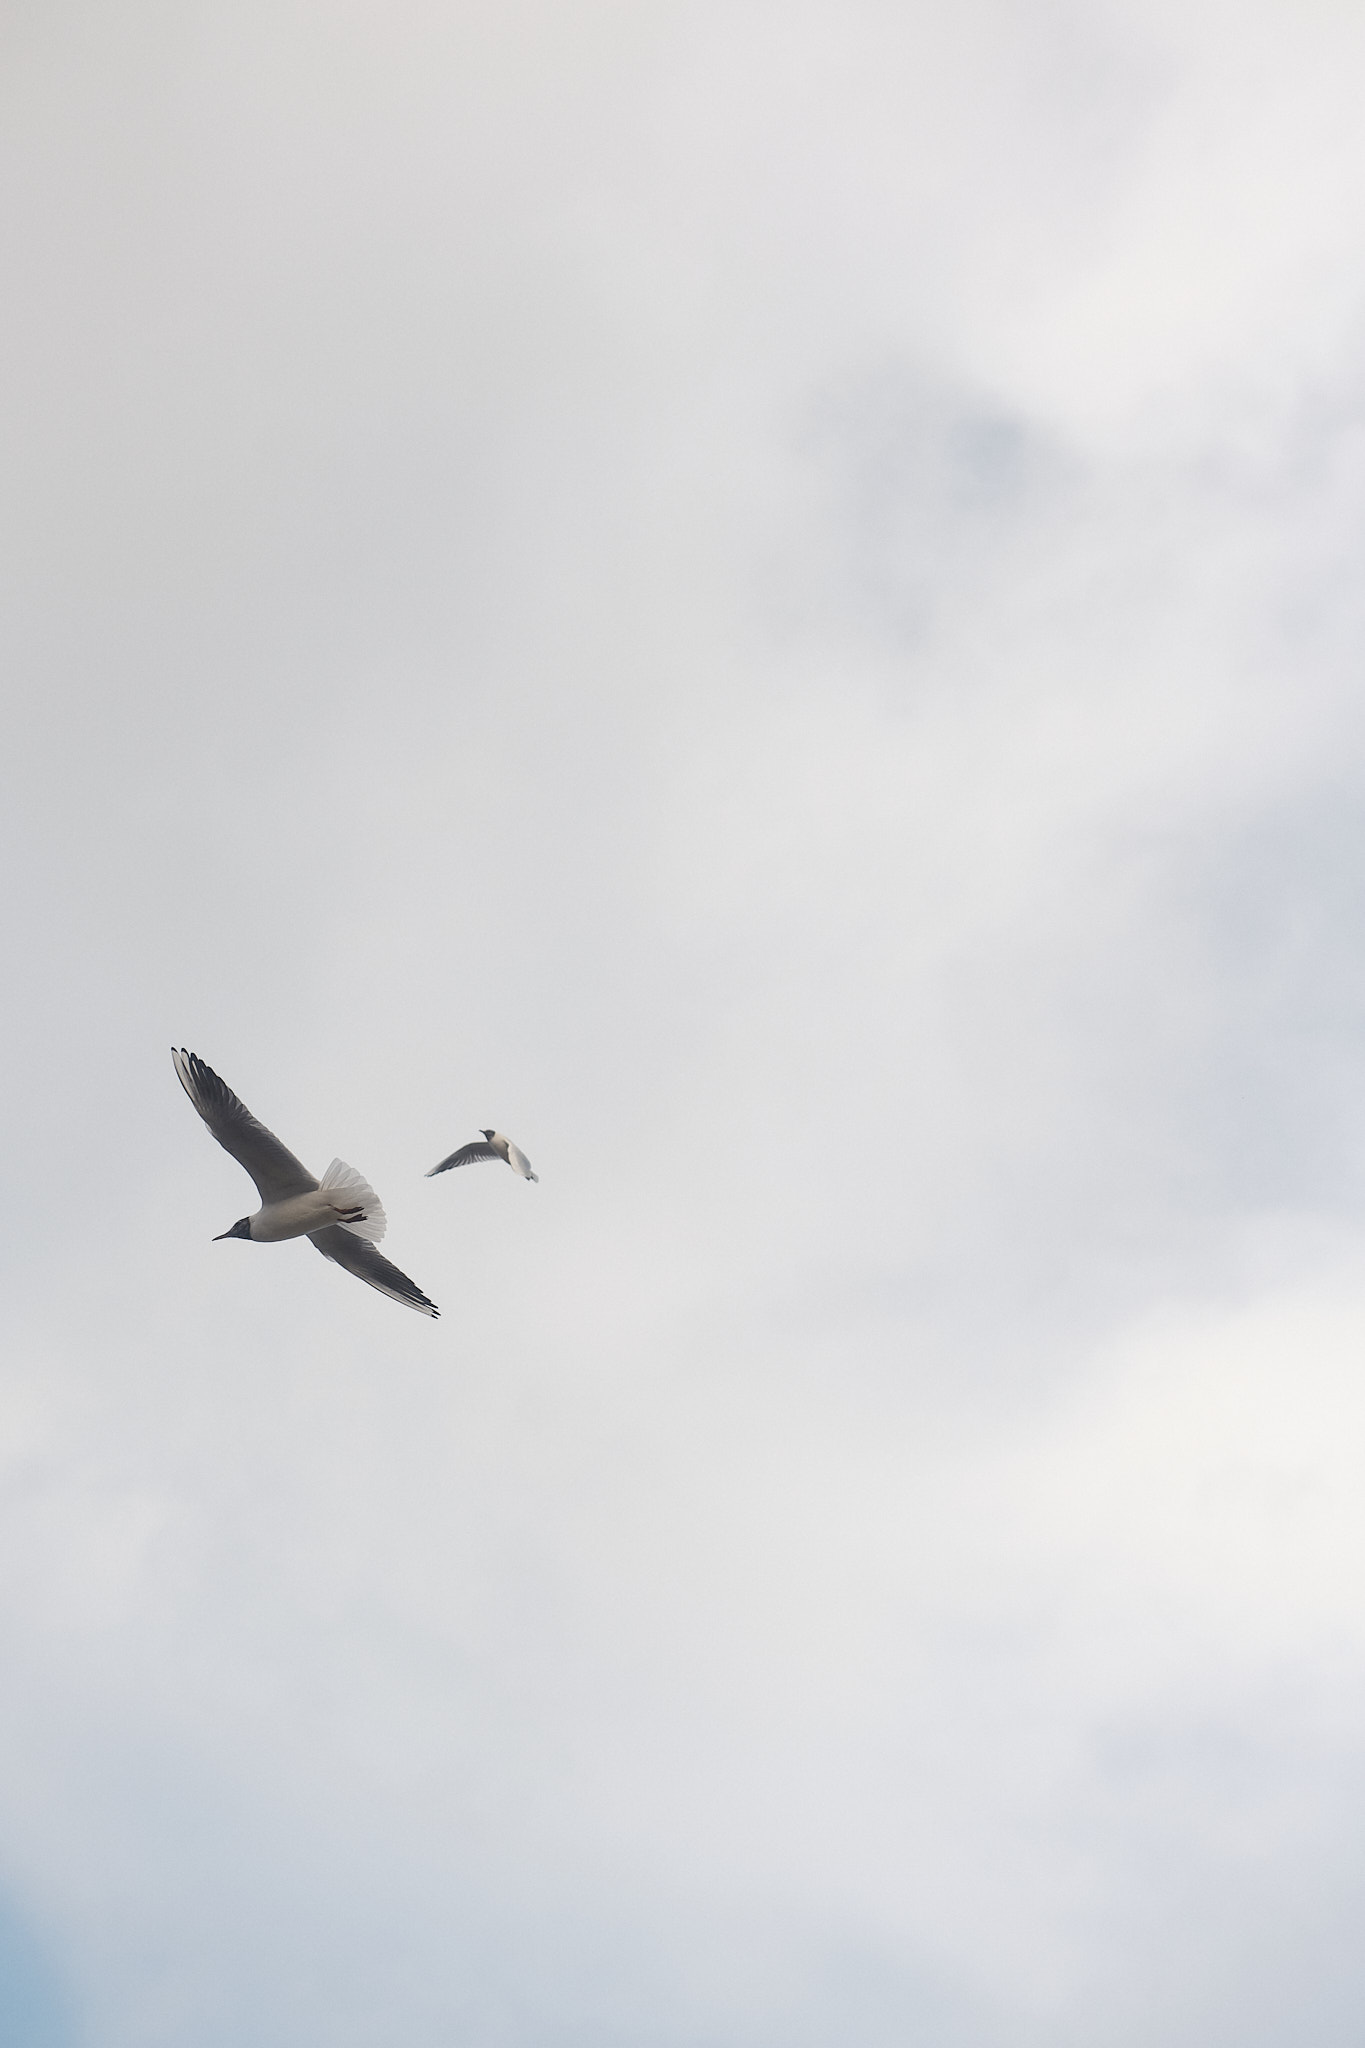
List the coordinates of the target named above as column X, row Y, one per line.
column 242, row 1229
column 490, row 1135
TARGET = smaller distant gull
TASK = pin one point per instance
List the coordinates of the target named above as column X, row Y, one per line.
column 495, row 1146
column 341, row 1214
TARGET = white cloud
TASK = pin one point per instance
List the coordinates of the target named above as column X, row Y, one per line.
column 766, row 598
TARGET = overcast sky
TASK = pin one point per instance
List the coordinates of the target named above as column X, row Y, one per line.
column 769, row 599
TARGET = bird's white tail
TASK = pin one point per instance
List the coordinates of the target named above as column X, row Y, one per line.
column 358, row 1207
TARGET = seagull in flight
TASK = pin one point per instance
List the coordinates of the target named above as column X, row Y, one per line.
column 494, row 1146
column 341, row 1213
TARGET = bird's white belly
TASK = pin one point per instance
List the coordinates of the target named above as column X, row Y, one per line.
column 294, row 1217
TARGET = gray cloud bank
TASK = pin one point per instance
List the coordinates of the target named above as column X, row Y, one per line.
column 768, row 599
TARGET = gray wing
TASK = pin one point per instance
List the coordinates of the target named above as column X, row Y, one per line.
column 466, row 1156
column 276, row 1172
column 359, row 1256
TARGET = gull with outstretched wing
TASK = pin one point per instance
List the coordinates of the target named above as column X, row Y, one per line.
column 341, row 1213
column 494, row 1146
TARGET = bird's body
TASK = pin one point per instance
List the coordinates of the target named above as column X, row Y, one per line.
column 341, row 1213
column 341, row 1196
column 494, row 1146
column 295, row 1216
